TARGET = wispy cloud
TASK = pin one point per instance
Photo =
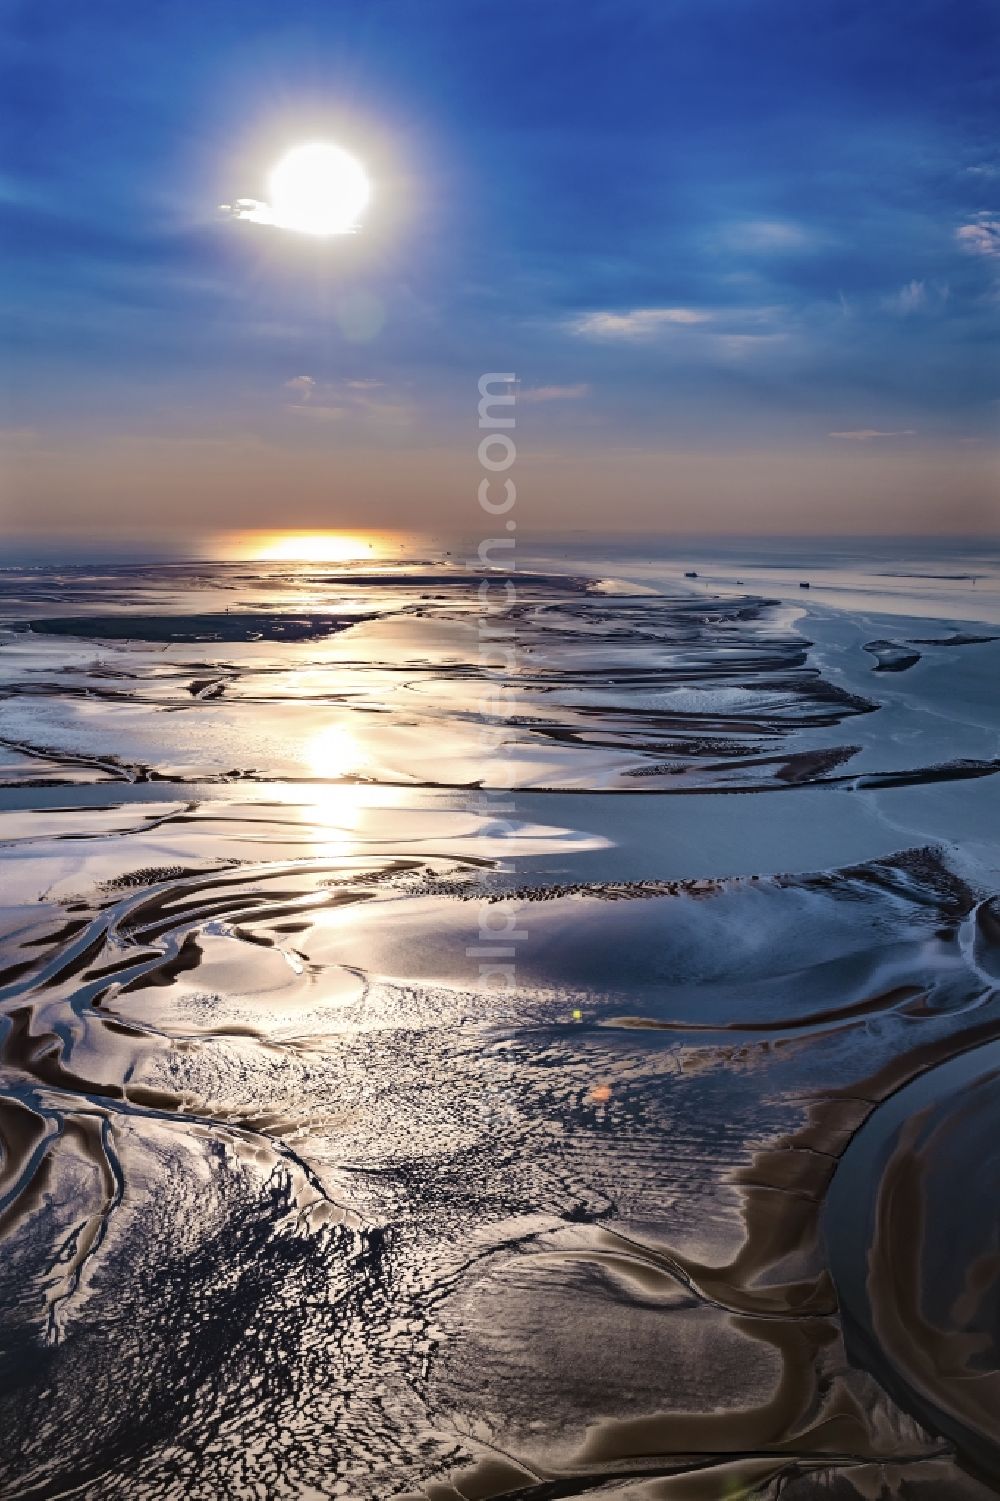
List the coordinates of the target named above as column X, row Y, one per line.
column 305, row 403
column 637, row 323
column 867, row 434
column 909, row 299
column 917, row 297
column 980, row 236
column 305, row 388
column 763, row 235
column 553, row 393
column 319, row 413
column 302, row 385
column 740, row 346
column 360, row 400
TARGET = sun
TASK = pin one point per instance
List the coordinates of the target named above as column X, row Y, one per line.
column 315, row 189
column 318, row 189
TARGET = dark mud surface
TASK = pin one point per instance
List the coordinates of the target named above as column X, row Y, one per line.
column 236, row 625
column 890, row 656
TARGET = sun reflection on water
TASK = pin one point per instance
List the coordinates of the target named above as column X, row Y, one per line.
column 314, row 547
column 332, row 753
column 332, row 807
column 333, row 816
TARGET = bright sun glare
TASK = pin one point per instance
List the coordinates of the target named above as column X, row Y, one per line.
column 316, row 189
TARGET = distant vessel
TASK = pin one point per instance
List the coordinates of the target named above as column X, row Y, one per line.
column 690, row 575
column 804, row 586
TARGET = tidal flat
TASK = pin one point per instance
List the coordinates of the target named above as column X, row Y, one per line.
column 461, row 1041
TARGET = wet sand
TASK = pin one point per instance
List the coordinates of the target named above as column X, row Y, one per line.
column 296, row 1201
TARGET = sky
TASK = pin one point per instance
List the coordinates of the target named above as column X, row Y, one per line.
column 742, row 255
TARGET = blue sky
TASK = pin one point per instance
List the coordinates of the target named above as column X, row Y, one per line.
column 744, row 256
